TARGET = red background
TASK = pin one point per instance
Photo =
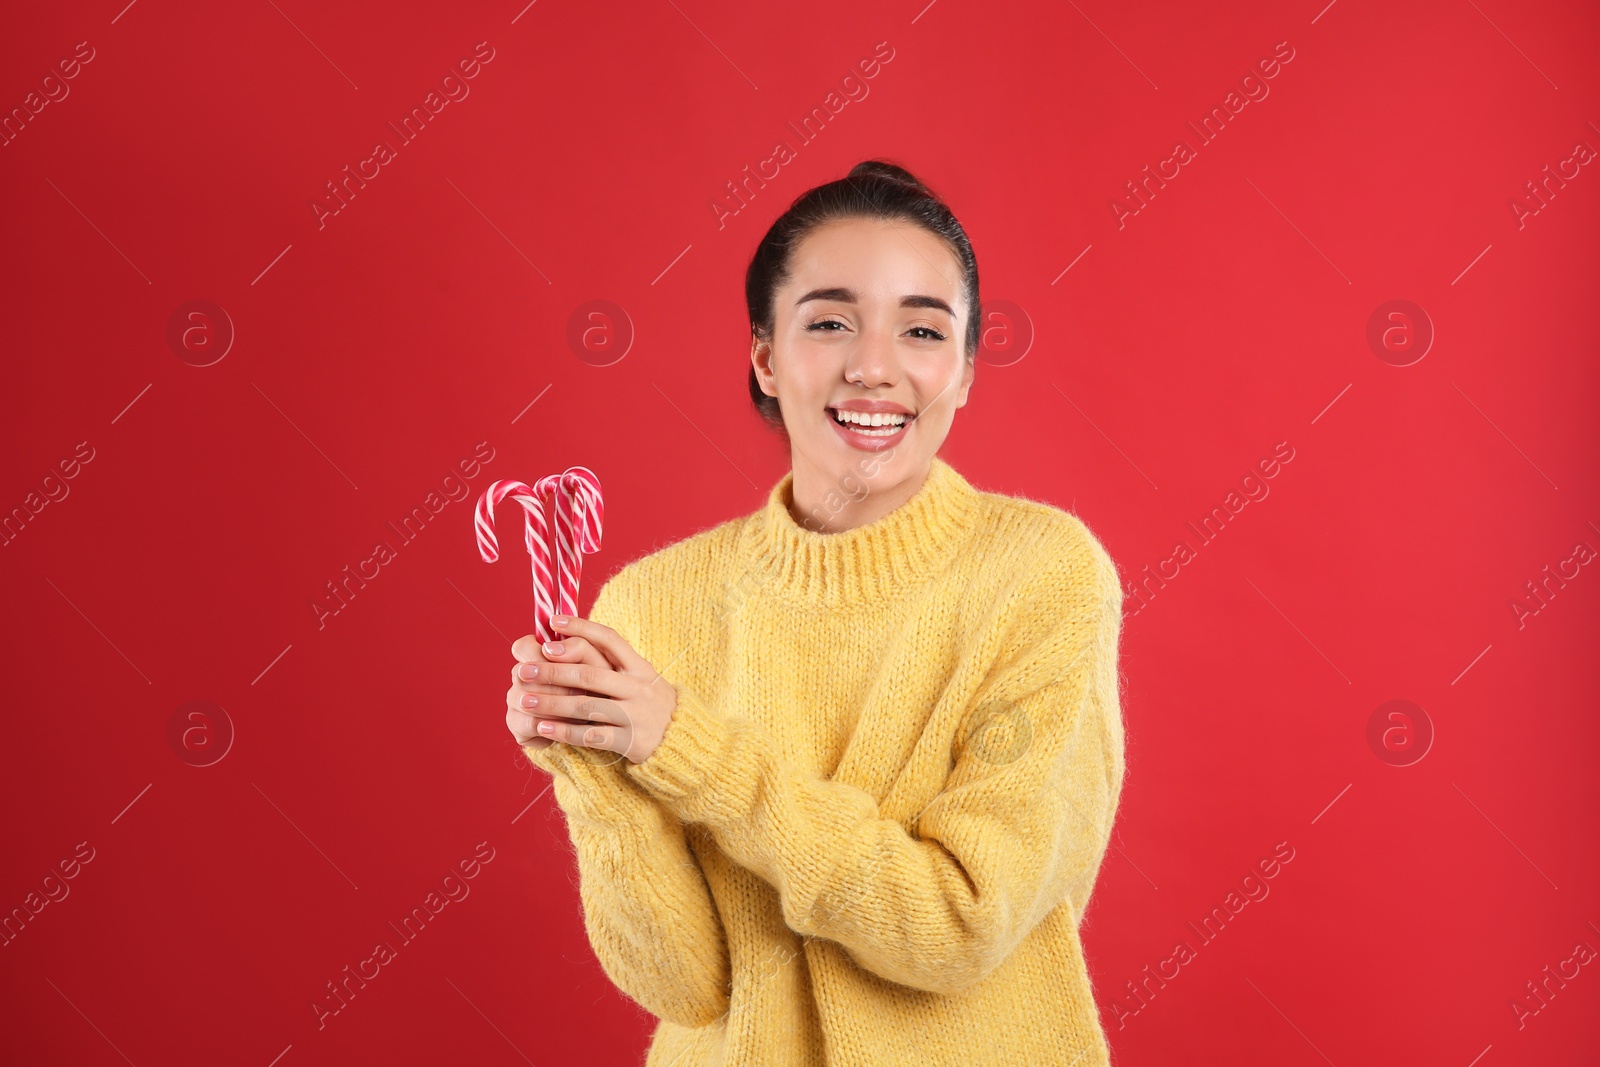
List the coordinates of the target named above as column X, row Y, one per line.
column 375, row 351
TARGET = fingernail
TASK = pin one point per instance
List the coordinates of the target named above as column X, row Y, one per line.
column 528, row 671
column 530, row 701
column 547, row 727
column 554, row 648
column 560, row 620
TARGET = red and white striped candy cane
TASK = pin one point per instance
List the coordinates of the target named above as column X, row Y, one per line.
column 483, row 521
column 579, row 509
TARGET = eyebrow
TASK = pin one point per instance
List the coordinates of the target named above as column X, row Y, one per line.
column 848, row 296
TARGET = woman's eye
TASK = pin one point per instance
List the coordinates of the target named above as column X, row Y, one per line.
column 928, row 332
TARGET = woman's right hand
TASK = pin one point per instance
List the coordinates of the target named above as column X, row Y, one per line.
column 527, row 649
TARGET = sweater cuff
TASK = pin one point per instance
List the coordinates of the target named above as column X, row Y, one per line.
column 584, row 778
column 692, row 759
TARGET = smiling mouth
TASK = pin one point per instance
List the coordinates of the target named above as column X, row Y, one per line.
column 887, row 429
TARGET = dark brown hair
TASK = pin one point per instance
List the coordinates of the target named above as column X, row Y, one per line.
column 874, row 189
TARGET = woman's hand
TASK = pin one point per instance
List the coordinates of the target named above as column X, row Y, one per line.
column 519, row 718
column 588, row 688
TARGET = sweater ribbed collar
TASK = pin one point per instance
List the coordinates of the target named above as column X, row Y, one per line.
column 872, row 562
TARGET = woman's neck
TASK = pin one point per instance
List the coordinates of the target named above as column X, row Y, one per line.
column 825, row 501
column 870, row 561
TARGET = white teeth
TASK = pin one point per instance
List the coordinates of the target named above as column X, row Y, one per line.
column 863, row 419
column 878, row 425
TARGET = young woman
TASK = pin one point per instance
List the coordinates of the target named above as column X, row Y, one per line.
column 840, row 774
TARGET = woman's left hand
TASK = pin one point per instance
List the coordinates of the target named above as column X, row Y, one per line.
column 623, row 706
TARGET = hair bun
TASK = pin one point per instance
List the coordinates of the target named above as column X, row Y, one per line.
column 882, row 168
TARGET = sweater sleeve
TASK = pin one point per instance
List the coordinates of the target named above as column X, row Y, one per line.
column 647, row 909
column 1021, row 824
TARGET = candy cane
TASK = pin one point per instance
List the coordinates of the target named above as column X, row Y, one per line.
column 533, row 533
column 579, row 510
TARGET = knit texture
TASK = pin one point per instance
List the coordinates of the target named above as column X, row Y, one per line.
column 871, row 829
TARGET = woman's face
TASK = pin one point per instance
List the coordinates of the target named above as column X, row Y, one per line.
column 872, row 311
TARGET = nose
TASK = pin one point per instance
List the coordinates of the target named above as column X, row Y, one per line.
column 872, row 360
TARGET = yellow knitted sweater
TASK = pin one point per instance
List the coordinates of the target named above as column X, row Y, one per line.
column 870, row 831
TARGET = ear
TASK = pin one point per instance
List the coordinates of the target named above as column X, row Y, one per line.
column 761, row 359
column 967, row 377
